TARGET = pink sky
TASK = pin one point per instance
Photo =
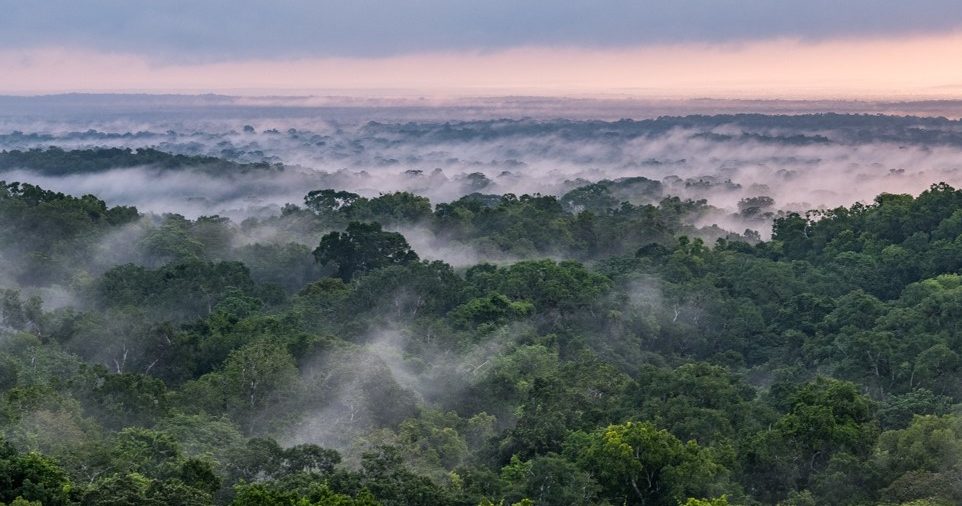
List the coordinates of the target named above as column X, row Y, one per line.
column 912, row 67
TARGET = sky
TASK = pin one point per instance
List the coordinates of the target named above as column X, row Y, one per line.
column 669, row 48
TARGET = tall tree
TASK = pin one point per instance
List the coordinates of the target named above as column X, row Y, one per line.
column 363, row 247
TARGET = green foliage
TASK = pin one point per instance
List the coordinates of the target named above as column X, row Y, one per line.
column 175, row 291
column 640, row 365
column 384, row 474
column 54, row 161
column 133, row 488
column 549, row 479
column 699, row 401
column 31, row 477
column 716, row 501
column 826, row 419
column 549, row 285
column 45, row 235
column 328, row 202
column 636, row 463
column 389, row 208
column 258, row 494
column 255, row 378
column 918, row 462
column 363, row 247
column 495, row 309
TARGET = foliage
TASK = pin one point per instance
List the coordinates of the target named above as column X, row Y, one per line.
column 363, row 247
column 605, row 351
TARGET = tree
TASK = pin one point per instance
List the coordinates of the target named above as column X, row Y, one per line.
column 549, row 480
column 595, row 198
column 146, row 452
column 494, row 309
column 363, row 247
column 309, row 458
column 549, row 285
column 826, row 418
column 282, row 493
column 715, row 501
column 255, row 375
column 794, row 234
column 391, row 208
column 133, row 488
column 32, row 477
column 637, row 463
column 921, row 461
column 328, row 202
column 756, row 207
column 384, row 474
column 697, row 401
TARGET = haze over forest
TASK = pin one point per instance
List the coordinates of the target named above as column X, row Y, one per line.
column 689, row 253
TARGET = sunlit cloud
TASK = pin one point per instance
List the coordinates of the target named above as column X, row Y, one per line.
column 844, row 68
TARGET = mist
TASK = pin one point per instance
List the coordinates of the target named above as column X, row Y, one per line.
column 802, row 162
column 393, row 374
column 469, row 262
column 749, row 169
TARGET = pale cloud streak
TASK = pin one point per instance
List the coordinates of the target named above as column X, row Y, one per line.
column 920, row 66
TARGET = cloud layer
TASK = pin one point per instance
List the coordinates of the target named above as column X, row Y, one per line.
column 784, row 68
column 219, row 30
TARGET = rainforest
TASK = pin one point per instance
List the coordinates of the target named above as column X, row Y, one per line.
column 689, row 310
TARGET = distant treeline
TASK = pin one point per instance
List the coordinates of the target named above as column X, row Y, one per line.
column 801, row 128
column 768, row 128
column 55, row 161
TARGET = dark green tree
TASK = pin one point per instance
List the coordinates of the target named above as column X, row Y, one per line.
column 363, row 247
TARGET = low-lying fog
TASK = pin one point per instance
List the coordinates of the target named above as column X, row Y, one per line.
column 802, row 161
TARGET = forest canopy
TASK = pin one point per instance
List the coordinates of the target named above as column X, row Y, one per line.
column 597, row 352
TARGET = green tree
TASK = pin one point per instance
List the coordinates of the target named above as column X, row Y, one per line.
column 637, row 463
column 363, row 247
column 255, row 376
column 328, row 202
column 31, row 476
column 922, row 460
column 549, row 480
column 826, row 418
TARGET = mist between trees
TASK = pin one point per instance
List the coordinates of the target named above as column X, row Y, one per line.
column 642, row 336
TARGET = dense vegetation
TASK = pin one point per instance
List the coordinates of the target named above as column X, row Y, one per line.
column 618, row 358
column 55, row 161
column 811, row 128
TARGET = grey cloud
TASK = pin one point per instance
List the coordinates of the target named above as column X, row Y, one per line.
column 216, row 30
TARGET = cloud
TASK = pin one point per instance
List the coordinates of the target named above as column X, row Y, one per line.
column 220, row 30
column 918, row 66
